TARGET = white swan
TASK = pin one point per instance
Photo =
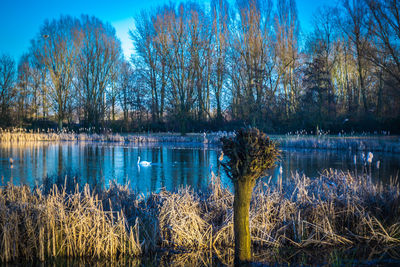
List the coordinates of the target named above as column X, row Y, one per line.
column 143, row 163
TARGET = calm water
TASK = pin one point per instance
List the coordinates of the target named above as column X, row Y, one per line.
column 98, row 163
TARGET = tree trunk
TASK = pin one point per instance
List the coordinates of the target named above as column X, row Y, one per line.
column 241, row 207
column 219, row 111
column 60, row 124
column 379, row 102
column 183, row 126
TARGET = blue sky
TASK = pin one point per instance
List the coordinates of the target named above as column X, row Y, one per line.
column 20, row 20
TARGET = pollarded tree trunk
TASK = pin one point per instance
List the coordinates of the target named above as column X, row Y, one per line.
column 241, row 207
column 250, row 154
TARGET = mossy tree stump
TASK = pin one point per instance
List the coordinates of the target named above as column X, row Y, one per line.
column 250, row 154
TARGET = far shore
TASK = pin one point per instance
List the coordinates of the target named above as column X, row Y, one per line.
column 376, row 143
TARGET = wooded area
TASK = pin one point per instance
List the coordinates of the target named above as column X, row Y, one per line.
column 209, row 67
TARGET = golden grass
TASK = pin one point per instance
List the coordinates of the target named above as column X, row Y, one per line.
column 181, row 223
column 22, row 135
column 334, row 210
column 61, row 224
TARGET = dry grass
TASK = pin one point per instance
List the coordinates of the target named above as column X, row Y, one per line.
column 181, row 223
column 334, row 210
column 34, row 225
column 22, row 135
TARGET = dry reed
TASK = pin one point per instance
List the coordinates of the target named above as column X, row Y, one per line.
column 34, row 225
column 335, row 209
column 23, row 135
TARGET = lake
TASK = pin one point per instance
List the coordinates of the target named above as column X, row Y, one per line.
column 173, row 165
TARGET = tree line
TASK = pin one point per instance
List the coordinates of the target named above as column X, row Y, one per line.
column 213, row 66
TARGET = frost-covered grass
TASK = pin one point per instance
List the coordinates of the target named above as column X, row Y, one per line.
column 335, row 210
column 353, row 143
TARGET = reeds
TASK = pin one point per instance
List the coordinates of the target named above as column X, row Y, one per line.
column 353, row 143
column 34, row 225
column 22, row 135
column 336, row 209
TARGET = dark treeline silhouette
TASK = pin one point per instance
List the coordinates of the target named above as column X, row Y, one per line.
column 213, row 66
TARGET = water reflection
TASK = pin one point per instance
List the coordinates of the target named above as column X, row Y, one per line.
column 98, row 164
column 357, row 256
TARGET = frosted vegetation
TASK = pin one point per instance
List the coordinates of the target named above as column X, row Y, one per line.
column 334, row 210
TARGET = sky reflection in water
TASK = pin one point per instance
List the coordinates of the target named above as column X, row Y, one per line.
column 172, row 165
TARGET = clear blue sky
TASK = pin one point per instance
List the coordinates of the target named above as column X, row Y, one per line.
column 20, row 20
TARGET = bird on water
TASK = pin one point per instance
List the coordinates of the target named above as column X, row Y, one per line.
column 143, row 163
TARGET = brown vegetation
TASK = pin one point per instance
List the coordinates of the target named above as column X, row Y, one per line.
column 22, row 135
column 334, row 210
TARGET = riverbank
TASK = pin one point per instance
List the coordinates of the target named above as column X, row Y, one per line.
column 389, row 144
column 335, row 210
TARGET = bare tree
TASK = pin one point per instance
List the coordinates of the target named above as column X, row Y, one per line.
column 221, row 17
column 35, row 81
column 385, row 54
column 144, row 42
column 7, row 88
column 201, row 35
column 98, row 56
column 138, row 99
column 322, row 52
column 357, row 28
column 125, row 89
column 23, row 89
column 250, row 68
column 56, row 48
column 386, row 19
column 182, row 52
column 161, row 43
column 40, row 78
column 287, row 31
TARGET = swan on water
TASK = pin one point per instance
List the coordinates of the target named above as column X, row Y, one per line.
column 143, row 163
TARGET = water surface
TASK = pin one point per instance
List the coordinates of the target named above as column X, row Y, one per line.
column 172, row 165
